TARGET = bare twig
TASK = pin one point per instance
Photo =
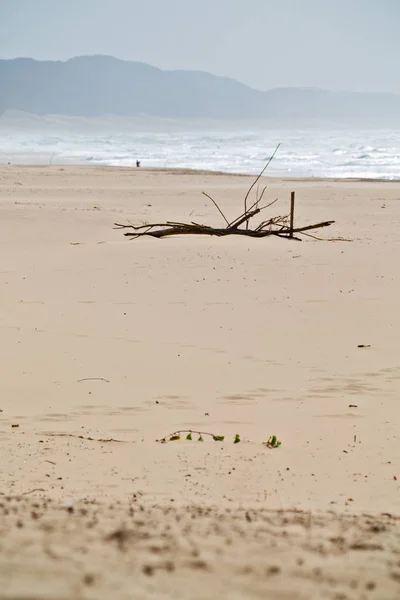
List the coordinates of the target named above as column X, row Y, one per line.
column 259, row 177
column 93, row 379
column 218, row 208
column 262, row 195
column 81, row 437
column 17, row 496
column 177, row 434
column 308, row 227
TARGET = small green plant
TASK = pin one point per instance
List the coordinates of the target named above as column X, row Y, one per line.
column 273, row 442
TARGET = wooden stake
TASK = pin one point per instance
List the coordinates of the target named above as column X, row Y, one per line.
column 291, row 227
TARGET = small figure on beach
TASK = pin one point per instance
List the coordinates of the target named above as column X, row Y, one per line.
column 138, row 163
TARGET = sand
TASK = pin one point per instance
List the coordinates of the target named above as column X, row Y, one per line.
column 104, row 338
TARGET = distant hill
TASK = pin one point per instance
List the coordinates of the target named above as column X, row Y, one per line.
column 94, row 86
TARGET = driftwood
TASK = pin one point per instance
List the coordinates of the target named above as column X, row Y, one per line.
column 161, row 230
column 281, row 226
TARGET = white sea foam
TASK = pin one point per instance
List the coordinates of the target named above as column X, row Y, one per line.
column 307, row 153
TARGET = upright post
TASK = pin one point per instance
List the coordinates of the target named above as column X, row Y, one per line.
column 292, row 197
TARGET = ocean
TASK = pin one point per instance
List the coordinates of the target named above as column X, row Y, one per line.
column 310, row 152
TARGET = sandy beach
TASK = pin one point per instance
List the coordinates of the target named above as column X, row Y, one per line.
column 108, row 344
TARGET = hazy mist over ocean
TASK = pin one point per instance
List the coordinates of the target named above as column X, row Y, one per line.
column 221, row 146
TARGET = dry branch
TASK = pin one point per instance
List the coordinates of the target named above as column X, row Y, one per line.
column 281, row 226
column 266, row 229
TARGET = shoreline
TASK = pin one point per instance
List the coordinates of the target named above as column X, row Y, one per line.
column 193, row 171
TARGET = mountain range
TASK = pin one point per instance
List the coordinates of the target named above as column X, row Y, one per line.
column 95, row 86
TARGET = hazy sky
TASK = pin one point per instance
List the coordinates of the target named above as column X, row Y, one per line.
column 334, row 44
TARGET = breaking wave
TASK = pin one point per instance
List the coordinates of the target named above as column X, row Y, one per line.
column 304, row 153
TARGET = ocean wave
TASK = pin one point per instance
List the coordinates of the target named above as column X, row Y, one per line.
column 315, row 153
